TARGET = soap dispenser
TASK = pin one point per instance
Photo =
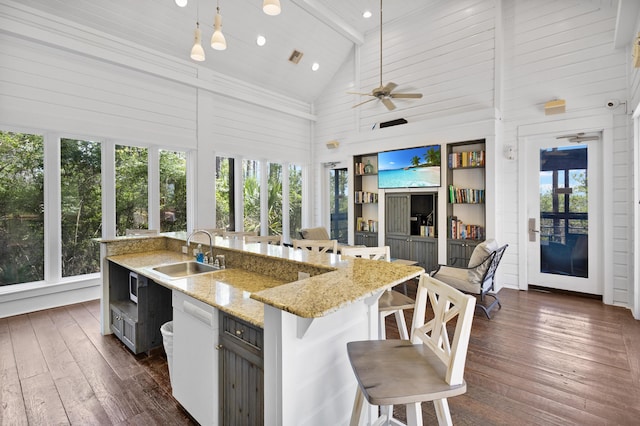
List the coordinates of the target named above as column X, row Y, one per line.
column 199, row 254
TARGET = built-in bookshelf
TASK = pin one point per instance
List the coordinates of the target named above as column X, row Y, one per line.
column 466, row 199
column 365, row 199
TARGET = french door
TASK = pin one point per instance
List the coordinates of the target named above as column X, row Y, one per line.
column 564, row 210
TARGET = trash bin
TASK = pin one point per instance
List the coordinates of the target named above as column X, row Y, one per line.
column 167, row 340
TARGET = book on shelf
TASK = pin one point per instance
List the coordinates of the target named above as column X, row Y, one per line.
column 458, row 230
column 465, row 195
column 362, row 197
column 364, row 168
column 466, row 159
column 364, row 225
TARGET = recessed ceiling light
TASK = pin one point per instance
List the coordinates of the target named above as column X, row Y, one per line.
column 366, row 14
column 261, row 40
column 315, row 66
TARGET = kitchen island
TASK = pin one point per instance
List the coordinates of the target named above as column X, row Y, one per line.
column 305, row 322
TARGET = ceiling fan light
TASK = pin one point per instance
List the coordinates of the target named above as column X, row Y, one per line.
column 218, row 42
column 271, row 7
column 197, row 52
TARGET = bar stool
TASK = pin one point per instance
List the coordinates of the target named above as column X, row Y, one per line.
column 391, row 302
column 429, row 367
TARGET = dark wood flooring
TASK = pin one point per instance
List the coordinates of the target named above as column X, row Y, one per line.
column 544, row 359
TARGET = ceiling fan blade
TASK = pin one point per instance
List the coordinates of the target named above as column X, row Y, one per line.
column 389, row 87
column 369, row 100
column 406, row 95
column 387, row 102
column 359, row 93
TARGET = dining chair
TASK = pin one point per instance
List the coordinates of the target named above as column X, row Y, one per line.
column 429, row 367
column 238, row 235
column 317, row 246
column 391, row 302
column 269, row 239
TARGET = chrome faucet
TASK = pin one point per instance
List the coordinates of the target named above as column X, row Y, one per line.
column 197, row 231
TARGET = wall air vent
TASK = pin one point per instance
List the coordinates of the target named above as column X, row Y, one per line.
column 393, row 123
column 295, row 56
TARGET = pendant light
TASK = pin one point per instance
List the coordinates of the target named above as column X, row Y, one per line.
column 271, row 7
column 218, row 41
column 197, row 52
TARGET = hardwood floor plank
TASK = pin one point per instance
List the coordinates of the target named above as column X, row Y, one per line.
column 544, row 359
column 12, row 409
column 116, row 400
column 124, row 365
column 80, row 402
column 28, row 356
column 42, row 402
column 93, row 306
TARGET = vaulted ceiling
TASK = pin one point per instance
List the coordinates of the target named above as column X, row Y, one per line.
column 325, row 31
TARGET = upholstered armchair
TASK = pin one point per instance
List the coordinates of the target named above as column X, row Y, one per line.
column 478, row 277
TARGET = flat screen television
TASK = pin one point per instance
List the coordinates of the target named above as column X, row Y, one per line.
column 409, row 167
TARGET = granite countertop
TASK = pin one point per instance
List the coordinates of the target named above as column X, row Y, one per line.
column 227, row 289
column 242, row 292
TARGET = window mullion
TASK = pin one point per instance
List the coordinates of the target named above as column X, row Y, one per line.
column 52, row 209
column 154, row 188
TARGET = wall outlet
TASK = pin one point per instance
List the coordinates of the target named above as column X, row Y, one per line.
column 303, row 275
column 185, row 250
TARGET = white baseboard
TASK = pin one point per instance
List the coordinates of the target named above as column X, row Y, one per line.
column 22, row 299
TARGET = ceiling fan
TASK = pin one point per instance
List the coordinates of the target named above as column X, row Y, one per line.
column 385, row 93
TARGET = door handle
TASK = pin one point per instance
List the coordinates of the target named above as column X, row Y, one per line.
column 532, row 229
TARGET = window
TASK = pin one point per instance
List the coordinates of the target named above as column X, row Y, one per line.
column 251, row 175
column 338, row 204
column 275, row 199
column 81, row 206
column 295, row 201
column 173, row 191
column 225, row 206
column 132, row 193
column 21, row 208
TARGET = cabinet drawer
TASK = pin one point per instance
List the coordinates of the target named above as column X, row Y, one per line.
column 241, row 336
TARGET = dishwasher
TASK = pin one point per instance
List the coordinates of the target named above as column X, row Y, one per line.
column 195, row 359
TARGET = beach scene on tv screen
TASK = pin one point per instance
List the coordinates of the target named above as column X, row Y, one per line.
column 409, row 168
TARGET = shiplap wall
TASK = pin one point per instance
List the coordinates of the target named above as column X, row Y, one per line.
column 551, row 49
column 57, row 90
column 564, row 50
column 446, row 52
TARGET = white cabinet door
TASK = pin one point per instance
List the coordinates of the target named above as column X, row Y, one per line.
column 195, row 359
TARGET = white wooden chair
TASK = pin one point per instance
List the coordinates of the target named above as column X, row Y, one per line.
column 238, row 235
column 391, row 302
column 317, row 246
column 429, row 367
column 269, row 239
column 140, row 232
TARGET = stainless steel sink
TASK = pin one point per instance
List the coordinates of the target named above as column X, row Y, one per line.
column 184, row 269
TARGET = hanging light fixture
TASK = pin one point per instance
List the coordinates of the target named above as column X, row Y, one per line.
column 218, row 41
column 271, row 7
column 197, row 52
